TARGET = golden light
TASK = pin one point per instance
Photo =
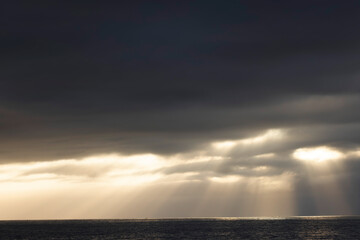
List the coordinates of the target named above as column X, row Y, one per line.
column 226, row 179
column 317, row 154
column 355, row 153
column 224, row 144
column 148, row 184
column 269, row 135
column 265, row 155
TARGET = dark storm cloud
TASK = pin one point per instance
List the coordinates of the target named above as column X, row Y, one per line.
column 166, row 77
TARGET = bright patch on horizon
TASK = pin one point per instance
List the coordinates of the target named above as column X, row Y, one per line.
column 317, row 154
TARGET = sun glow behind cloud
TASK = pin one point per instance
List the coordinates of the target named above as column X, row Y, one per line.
column 317, row 154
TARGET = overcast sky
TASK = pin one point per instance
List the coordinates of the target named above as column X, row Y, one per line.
column 112, row 109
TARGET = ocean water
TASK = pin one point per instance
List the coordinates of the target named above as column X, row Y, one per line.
column 204, row 228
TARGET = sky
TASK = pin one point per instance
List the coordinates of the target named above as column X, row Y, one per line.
column 158, row 109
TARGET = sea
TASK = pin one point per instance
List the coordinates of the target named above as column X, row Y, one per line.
column 324, row 227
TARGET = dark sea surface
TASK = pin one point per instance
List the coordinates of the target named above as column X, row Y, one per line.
column 190, row 228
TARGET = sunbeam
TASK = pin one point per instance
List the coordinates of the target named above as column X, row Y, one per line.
column 324, row 166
